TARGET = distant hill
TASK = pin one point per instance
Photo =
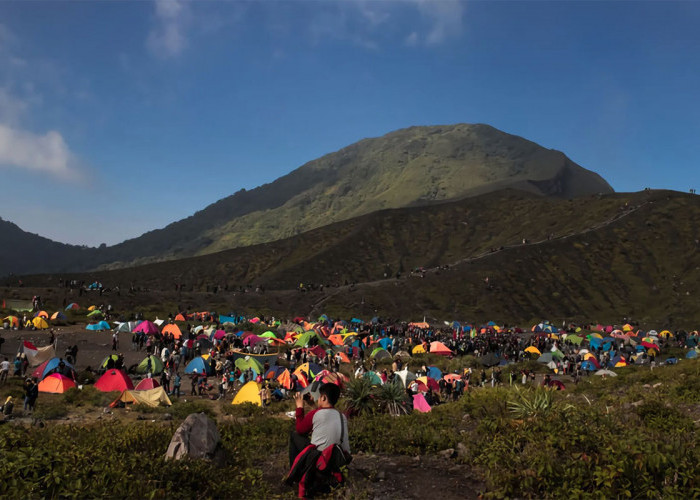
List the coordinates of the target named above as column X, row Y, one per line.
column 590, row 258
column 409, row 167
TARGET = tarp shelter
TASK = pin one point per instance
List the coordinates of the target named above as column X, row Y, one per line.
column 56, row 384
column 40, row 323
column 200, row 364
column 150, row 364
column 147, row 327
column 18, row 305
column 249, row 393
column 172, row 329
column 151, row 397
column 98, row 327
column 159, row 322
column 420, row 404
column 114, row 380
column 38, row 355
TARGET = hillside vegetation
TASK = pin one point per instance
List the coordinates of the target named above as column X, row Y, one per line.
column 413, row 166
column 596, row 257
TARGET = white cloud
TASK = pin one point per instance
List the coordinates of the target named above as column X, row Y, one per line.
column 168, row 38
column 46, row 153
column 11, row 107
column 445, row 20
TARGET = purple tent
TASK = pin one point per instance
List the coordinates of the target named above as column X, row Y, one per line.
column 147, row 327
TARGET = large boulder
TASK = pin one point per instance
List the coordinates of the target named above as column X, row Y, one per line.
column 197, row 437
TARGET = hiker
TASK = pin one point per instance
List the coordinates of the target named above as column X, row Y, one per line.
column 4, row 370
column 7, row 408
column 31, row 391
column 326, row 425
column 115, row 341
column 176, row 385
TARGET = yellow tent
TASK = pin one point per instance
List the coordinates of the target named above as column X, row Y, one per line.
column 249, row 393
column 92, row 308
column 534, row 350
column 418, row 349
column 40, row 323
column 151, row 397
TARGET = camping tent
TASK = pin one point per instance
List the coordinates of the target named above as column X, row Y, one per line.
column 439, row 348
column 151, row 397
column 58, row 316
column 147, row 327
column 56, row 384
column 150, row 364
column 147, row 384
column 200, row 364
column 173, row 329
column 420, row 404
column 114, row 380
column 97, row 327
column 249, row 393
column 40, row 323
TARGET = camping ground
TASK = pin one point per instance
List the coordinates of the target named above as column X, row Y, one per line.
column 635, row 434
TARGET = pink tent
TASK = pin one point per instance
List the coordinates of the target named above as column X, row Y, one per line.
column 220, row 334
column 420, row 404
column 147, row 327
column 252, row 340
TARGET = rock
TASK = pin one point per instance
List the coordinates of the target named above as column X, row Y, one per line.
column 381, row 475
column 197, row 437
column 448, row 453
column 167, row 416
column 462, row 450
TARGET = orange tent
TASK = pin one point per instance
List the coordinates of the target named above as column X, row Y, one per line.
column 285, row 379
column 343, row 357
column 172, row 329
column 336, row 339
column 421, row 324
column 180, row 317
column 42, row 314
column 439, row 348
column 56, row 384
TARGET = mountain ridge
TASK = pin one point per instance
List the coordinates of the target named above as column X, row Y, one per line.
column 412, row 166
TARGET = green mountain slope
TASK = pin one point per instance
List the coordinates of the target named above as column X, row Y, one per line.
column 589, row 258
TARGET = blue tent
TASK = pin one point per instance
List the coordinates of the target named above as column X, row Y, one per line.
column 201, row 365
column 671, row 361
column 587, row 365
column 595, row 342
column 692, row 354
column 355, row 320
column 96, row 327
column 52, row 364
column 386, row 343
column 434, row 372
column 227, row 319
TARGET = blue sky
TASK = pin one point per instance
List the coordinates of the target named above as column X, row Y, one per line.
column 120, row 117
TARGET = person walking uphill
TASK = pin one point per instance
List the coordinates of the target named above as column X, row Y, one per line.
column 316, row 462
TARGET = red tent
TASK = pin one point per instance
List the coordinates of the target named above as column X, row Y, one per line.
column 114, row 380
column 146, row 384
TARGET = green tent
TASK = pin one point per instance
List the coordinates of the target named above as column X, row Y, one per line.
column 113, row 357
column 95, row 313
column 156, row 365
column 269, row 335
column 574, row 339
column 373, row 378
column 380, row 353
column 557, row 354
column 248, row 362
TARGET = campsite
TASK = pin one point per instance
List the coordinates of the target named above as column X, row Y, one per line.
column 623, row 428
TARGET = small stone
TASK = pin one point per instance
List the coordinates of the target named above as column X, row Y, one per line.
column 381, row 475
column 462, row 450
column 448, row 453
column 167, row 416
